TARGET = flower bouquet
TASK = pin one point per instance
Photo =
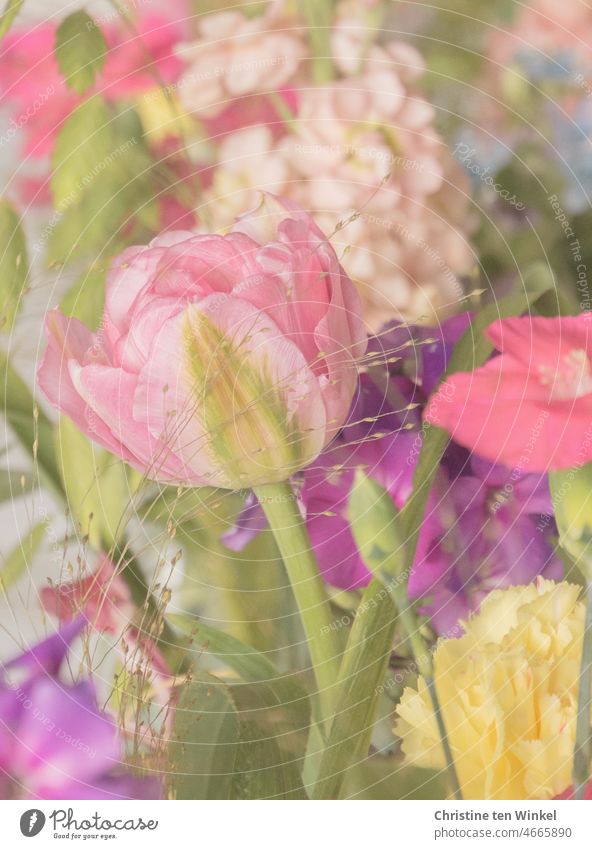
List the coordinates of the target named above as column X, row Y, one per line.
column 297, row 391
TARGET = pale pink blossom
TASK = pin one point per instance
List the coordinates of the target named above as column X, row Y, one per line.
column 222, row 360
column 234, row 56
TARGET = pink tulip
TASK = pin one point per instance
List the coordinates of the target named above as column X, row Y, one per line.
column 531, row 407
column 221, row 360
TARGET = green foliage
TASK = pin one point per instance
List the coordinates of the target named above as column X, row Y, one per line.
column 252, row 667
column 373, row 520
column 272, row 709
column 83, row 144
column 13, row 264
column 387, row 778
column 96, row 486
column 204, row 741
column 248, row 589
column 362, row 669
column 31, row 427
column 13, row 484
column 571, row 494
column 11, row 10
column 86, row 298
column 222, row 747
column 19, row 559
column 101, row 184
column 80, row 50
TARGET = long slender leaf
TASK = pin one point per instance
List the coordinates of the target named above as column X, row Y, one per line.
column 85, row 299
column 84, row 143
column 247, row 662
column 271, row 690
column 13, row 264
column 19, row 559
column 204, row 742
column 363, row 667
column 95, row 483
column 30, row 425
column 274, row 713
column 11, row 10
column 262, row 770
column 471, row 351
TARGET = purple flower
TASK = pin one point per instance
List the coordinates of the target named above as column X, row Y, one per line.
column 490, row 535
column 482, row 528
column 55, row 743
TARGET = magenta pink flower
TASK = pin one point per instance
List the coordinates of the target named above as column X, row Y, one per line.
column 32, row 82
column 222, row 360
column 531, row 407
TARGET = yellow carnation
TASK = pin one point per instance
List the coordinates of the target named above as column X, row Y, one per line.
column 508, row 691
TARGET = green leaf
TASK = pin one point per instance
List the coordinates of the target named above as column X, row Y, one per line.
column 11, row 10
column 317, row 19
column 246, row 661
column 20, row 558
column 363, row 667
column 274, row 712
column 204, row 741
column 262, row 769
column 80, row 50
column 83, row 149
column 282, row 693
column 30, row 425
column 102, row 181
column 13, row 264
column 95, row 483
column 571, row 495
column 382, row 777
column 86, row 298
column 373, row 520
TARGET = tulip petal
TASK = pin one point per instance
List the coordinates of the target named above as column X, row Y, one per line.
column 242, row 396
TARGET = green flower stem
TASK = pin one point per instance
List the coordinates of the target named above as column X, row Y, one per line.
column 317, row 15
column 583, row 744
column 422, row 656
column 281, row 509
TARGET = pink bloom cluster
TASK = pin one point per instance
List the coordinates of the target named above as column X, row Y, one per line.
column 360, row 152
